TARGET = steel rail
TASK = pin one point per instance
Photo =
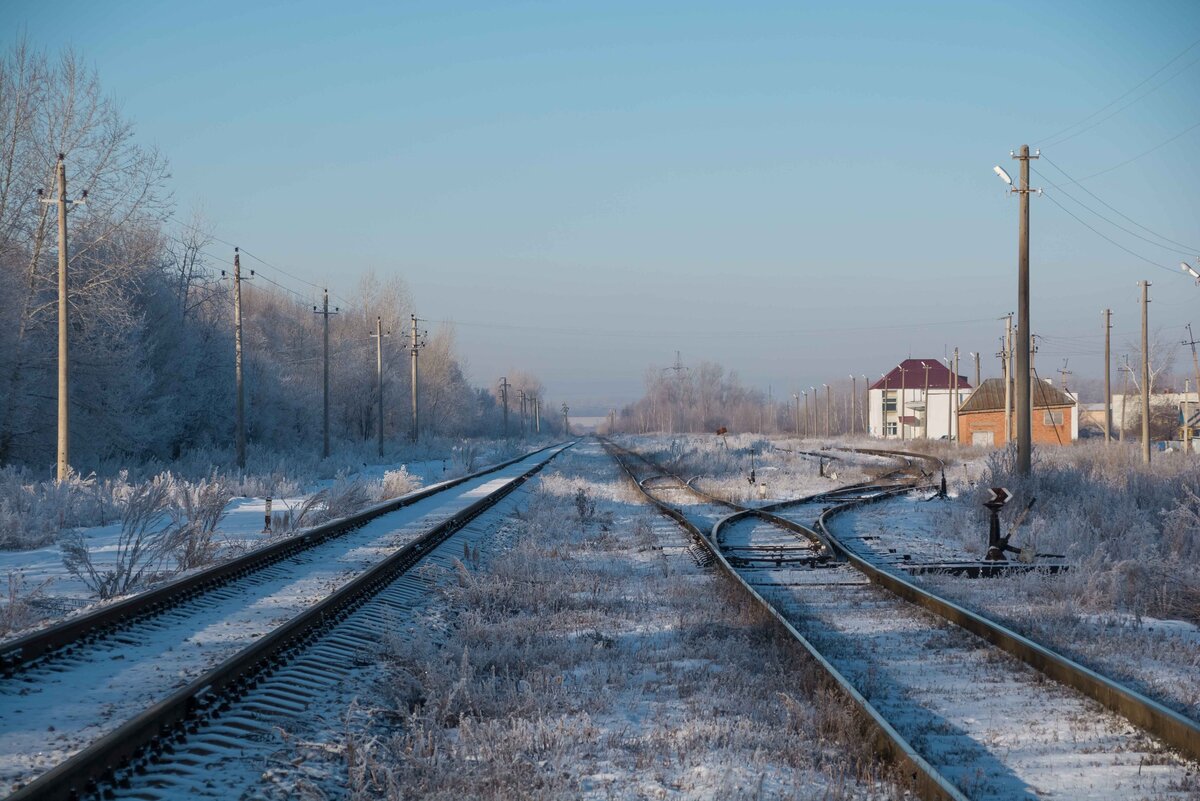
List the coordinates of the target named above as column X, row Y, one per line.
column 157, row 729
column 20, row 652
column 925, row 779
column 1171, row 727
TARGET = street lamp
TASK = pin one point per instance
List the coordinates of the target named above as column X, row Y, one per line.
column 1187, row 268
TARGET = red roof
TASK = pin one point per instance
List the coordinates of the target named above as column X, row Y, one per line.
column 913, row 376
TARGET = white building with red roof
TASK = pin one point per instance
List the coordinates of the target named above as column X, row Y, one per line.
column 916, row 398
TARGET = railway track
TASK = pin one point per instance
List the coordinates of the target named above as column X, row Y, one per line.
column 960, row 718
column 98, row 702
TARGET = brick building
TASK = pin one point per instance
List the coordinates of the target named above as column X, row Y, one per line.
column 1055, row 415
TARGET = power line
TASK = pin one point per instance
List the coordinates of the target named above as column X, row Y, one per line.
column 1188, row 129
column 1106, row 205
column 1071, row 197
column 1054, row 139
column 258, row 259
column 1108, row 239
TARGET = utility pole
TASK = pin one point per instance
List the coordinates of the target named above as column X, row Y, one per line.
column 978, row 372
column 884, row 410
column 806, row 428
column 64, row 357
column 1024, row 388
column 379, row 335
column 863, row 408
column 903, row 392
column 796, row 397
column 521, row 397
column 954, row 427
column 537, row 414
column 1107, row 377
column 853, row 400
column 566, row 420
column 1008, row 378
column 828, row 409
column 504, row 402
column 325, row 312
column 1063, row 372
column 612, row 421
column 1195, row 367
column 240, row 424
column 1127, row 371
column 415, row 346
column 1145, row 372
column 950, row 407
column 925, row 417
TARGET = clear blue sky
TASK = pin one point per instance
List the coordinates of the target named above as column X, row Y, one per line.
column 586, row 188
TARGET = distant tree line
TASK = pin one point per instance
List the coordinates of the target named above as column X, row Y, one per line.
column 151, row 319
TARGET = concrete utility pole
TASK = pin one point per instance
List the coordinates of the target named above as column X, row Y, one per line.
column 900, row 408
column 951, row 434
column 325, row 312
column 925, row 417
column 1024, row 388
column 1196, row 368
column 828, row 410
column 537, row 414
column 1146, row 372
column 566, row 420
column 884, row 410
column 64, row 357
column 953, row 382
column 379, row 335
column 1008, row 378
column 1126, row 370
column 1063, row 372
column 853, row 400
column 415, row 346
column 806, row 428
column 1107, row 377
column 816, row 408
column 796, row 396
column 863, row 408
column 240, row 433
column 504, row 402
column 978, row 372
column 1187, row 414
column 521, row 397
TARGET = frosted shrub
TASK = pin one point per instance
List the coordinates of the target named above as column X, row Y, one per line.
column 16, row 602
column 32, row 513
column 398, row 482
column 197, row 509
column 141, row 546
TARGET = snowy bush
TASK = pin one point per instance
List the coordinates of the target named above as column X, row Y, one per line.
column 397, row 483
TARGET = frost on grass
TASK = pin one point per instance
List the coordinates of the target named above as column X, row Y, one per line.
column 593, row 659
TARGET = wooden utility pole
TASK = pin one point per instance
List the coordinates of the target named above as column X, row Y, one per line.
column 63, row 468
column 379, row 335
column 325, row 312
column 504, row 402
column 1107, row 377
column 1145, row 372
column 415, row 346
column 1024, row 388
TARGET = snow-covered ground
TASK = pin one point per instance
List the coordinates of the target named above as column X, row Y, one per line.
column 39, row 579
column 61, row 704
column 586, row 657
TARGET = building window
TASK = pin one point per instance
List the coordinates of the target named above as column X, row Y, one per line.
column 890, row 430
column 1054, row 418
column 889, row 401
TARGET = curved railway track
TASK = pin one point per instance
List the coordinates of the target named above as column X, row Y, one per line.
column 861, row 622
column 97, row 700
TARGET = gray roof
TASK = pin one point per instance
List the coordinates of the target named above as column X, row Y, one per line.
column 989, row 397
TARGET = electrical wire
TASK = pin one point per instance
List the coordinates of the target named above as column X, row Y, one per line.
column 1101, row 201
column 1054, row 139
column 1108, row 239
column 1074, row 199
column 1186, row 130
column 264, row 262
